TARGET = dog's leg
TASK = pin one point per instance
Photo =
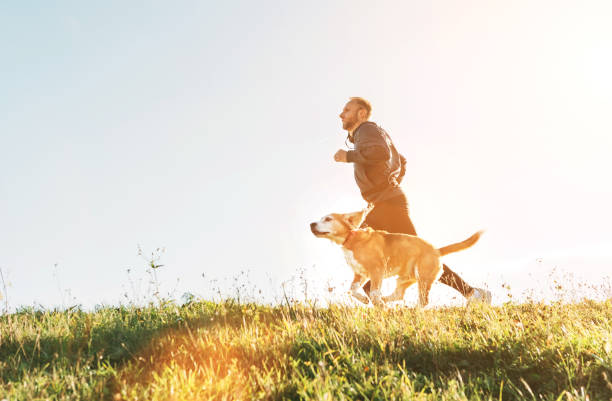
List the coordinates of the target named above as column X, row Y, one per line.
column 355, row 286
column 424, row 288
column 406, row 277
column 399, row 292
column 429, row 269
column 375, row 294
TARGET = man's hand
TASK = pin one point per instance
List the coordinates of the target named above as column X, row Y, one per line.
column 340, row 156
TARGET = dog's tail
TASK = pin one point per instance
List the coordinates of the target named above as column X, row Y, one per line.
column 459, row 246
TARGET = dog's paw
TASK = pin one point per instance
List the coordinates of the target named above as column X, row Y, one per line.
column 360, row 298
column 376, row 298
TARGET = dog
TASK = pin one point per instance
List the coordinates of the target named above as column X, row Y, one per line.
column 376, row 254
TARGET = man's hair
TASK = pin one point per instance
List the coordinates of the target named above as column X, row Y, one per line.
column 363, row 104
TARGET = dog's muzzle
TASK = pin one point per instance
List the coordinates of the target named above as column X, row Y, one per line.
column 313, row 228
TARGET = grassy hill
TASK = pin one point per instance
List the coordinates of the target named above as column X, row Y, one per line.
column 231, row 351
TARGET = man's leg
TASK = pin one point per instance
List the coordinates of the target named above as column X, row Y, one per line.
column 453, row 280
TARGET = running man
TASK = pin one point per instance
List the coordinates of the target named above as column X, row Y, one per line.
column 379, row 169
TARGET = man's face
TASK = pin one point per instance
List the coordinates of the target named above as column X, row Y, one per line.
column 350, row 116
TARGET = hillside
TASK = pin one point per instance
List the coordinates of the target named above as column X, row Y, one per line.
column 206, row 350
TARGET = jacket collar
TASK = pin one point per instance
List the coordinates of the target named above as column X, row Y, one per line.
column 351, row 137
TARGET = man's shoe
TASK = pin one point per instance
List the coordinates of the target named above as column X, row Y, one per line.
column 480, row 295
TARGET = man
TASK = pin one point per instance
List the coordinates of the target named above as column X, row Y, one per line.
column 379, row 169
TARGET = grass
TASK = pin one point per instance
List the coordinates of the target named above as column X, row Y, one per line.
column 231, row 351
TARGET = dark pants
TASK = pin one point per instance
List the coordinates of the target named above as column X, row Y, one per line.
column 392, row 216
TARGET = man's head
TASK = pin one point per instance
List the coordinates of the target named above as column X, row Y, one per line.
column 355, row 112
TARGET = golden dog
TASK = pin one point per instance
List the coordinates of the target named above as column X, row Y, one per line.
column 376, row 255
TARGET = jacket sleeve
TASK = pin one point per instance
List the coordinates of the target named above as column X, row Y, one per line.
column 370, row 148
column 400, row 176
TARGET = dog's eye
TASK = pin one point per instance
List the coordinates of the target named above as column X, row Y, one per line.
column 327, row 219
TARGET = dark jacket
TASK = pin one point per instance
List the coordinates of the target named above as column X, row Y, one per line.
column 379, row 168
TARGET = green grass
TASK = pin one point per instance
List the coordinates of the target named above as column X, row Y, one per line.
column 230, row 351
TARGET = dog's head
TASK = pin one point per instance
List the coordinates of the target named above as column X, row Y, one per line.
column 336, row 226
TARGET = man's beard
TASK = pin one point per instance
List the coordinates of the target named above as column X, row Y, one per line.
column 349, row 124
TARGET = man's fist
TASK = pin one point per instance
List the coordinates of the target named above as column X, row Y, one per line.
column 340, row 156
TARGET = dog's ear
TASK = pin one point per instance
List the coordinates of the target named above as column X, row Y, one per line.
column 364, row 213
column 356, row 219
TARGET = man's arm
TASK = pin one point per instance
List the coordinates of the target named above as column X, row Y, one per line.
column 371, row 148
column 368, row 155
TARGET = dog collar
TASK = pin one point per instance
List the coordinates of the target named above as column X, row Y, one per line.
column 349, row 236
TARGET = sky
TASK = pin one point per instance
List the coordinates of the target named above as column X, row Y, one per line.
column 202, row 133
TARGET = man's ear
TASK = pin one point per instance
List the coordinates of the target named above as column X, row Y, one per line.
column 361, row 113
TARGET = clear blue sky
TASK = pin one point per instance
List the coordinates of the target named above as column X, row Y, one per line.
column 208, row 128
